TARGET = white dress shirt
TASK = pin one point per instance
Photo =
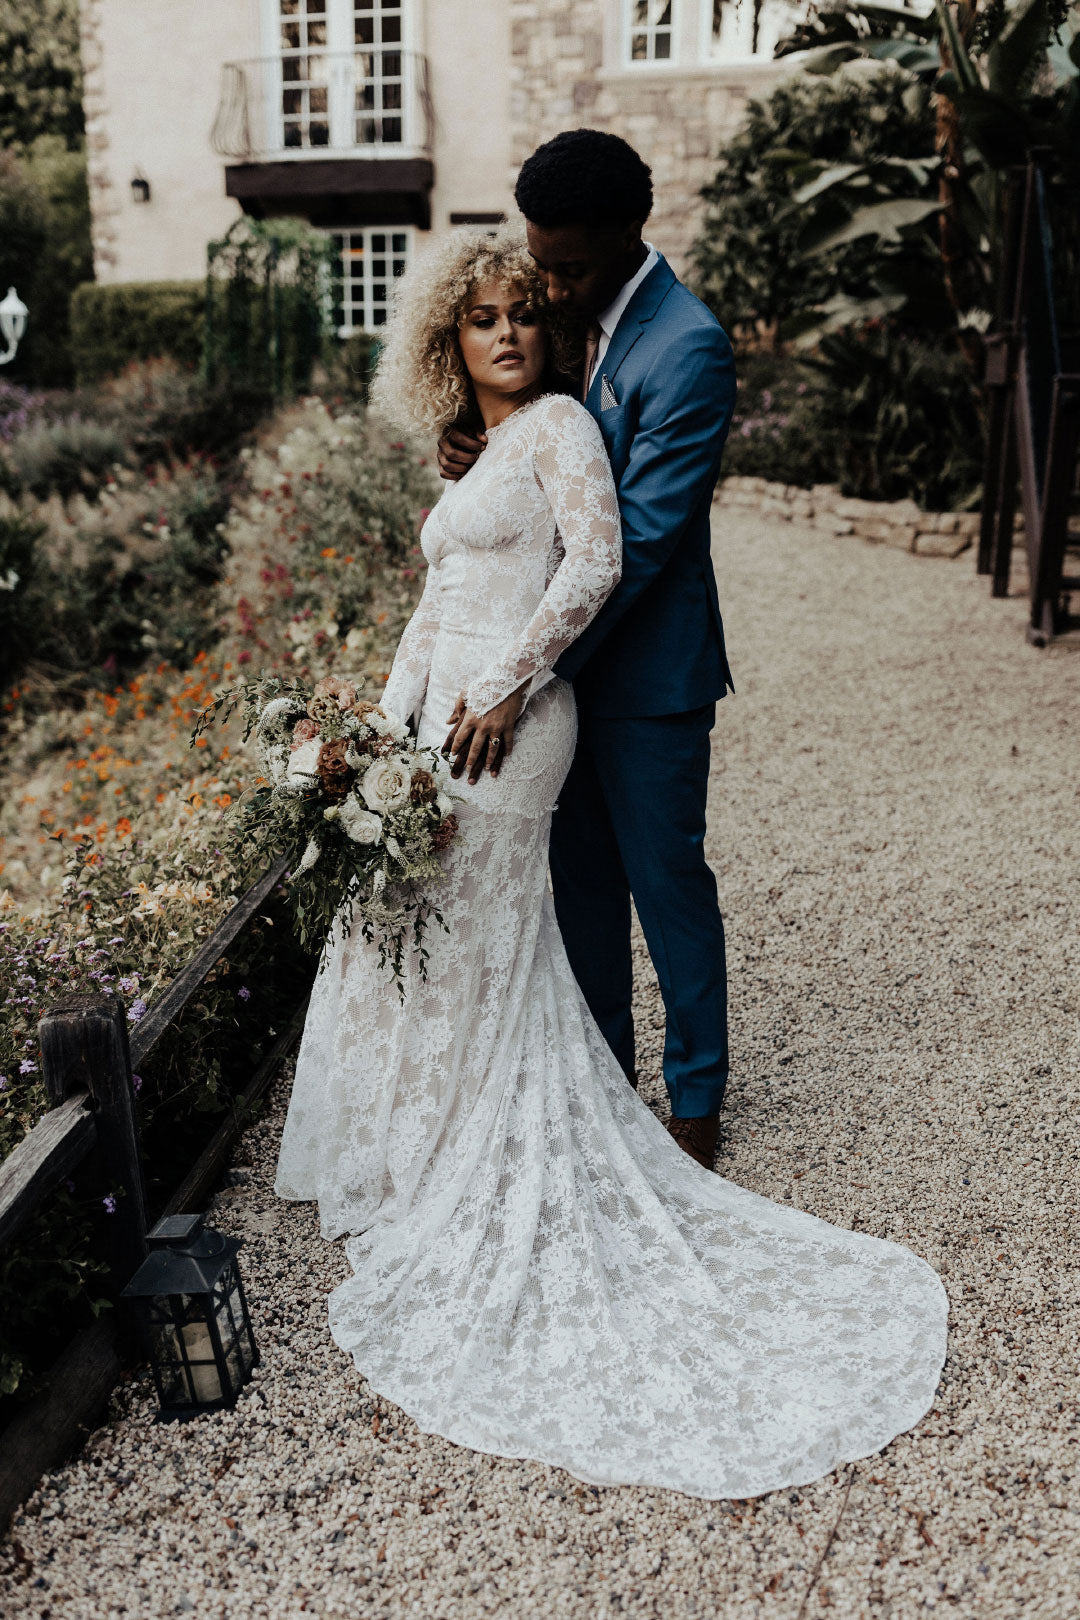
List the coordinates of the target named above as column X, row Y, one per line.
column 609, row 318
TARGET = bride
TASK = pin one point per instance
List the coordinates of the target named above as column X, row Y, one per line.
column 539, row 1270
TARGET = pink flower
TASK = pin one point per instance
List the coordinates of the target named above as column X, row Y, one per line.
column 303, row 731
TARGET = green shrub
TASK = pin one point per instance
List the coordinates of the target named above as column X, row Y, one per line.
column 879, row 411
column 115, row 323
column 266, row 303
column 351, row 366
column 747, row 264
column 165, row 411
column 19, row 567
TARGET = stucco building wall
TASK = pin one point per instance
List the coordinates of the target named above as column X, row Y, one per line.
column 152, row 76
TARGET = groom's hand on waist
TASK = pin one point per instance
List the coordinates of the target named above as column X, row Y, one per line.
column 457, row 452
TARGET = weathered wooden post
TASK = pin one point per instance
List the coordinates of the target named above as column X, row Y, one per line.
column 84, row 1044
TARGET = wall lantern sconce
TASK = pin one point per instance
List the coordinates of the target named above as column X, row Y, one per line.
column 140, row 187
column 193, row 1317
column 13, row 314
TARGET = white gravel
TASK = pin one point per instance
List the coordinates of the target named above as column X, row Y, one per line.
column 895, row 827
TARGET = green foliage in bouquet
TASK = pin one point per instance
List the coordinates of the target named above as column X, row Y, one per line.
column 361, row 812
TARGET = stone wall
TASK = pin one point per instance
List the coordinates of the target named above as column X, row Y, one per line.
column 563, row 76
column 891, row 523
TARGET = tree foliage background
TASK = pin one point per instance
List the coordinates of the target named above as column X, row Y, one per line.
column 45, row 248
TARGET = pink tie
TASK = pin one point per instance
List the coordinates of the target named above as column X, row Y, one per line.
column 592, row 344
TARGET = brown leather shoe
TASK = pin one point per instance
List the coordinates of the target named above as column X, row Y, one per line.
column 697, row 1137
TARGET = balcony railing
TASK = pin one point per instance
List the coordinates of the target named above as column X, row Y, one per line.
column 303, row 104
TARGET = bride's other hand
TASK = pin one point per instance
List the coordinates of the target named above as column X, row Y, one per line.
column 457, row 452
column 488, row 737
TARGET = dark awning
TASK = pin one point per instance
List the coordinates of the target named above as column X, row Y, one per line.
column 337, row 191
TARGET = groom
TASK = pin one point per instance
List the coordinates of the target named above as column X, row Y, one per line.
column 660, row 381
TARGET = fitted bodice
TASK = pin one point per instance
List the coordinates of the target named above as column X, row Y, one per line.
column 521, row 552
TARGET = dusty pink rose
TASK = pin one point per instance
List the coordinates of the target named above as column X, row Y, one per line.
column 303, row 731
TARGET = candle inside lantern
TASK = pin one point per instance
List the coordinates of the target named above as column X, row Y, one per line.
column 205, row 1380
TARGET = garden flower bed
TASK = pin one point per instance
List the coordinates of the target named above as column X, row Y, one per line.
column 112, row 860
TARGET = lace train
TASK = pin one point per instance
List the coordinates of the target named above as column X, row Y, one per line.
column 538, row 1269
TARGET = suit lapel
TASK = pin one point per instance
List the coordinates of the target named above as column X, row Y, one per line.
column 638, row 312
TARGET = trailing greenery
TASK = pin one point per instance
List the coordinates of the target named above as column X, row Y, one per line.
column 113, row 323
column 267, row 303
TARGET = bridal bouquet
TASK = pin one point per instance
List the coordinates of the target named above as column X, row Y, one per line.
column 363, row 812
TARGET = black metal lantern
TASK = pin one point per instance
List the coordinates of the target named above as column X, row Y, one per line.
column 193, row 1316
column 140, row 187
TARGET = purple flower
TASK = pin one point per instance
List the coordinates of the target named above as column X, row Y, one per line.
column 136, row 1011
column 110, row 1204
column 118, row 940
column 26, row 1067
column 244, row 993
column 3, row 1082
column 128, row 983
column 136, row 1083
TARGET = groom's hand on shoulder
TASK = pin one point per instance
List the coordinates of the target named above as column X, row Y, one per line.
column 457, row 452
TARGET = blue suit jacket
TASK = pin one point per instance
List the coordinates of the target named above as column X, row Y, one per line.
column 657, row 645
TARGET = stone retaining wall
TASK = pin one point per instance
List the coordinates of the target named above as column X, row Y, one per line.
column 891, row 523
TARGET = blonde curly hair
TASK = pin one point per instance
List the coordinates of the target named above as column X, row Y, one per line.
column 420, row 380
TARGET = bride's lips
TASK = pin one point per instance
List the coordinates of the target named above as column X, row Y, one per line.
column 511, row 357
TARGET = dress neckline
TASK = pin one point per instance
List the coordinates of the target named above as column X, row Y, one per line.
column 519, row 411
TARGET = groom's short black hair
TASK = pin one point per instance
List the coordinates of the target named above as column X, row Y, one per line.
column 584, row 177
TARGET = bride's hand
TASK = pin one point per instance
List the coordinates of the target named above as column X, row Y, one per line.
column 475, row 739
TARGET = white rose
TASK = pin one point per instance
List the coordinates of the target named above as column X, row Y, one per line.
column 385, row 724
column 385, row 785
column 443, row 804
column 303, row 765
column 359, row 824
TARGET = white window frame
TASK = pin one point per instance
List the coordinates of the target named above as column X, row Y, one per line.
column 776, row 20
column 630, row 28
column 691, row 42
column 340, row 49
column 367, row 306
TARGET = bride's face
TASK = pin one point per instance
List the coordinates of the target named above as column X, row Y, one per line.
column 502, row 341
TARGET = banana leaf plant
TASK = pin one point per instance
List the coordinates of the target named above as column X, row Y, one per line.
column 1004, row 80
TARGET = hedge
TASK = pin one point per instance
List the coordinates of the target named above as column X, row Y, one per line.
column 113, row 323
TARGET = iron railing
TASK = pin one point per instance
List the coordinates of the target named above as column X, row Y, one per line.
column 310, row 104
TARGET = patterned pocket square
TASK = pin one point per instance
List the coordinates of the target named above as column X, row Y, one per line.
column 607, row 395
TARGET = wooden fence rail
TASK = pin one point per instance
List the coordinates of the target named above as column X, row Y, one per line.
column 87, row 1061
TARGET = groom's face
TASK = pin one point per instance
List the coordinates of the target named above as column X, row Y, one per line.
column 584, row 266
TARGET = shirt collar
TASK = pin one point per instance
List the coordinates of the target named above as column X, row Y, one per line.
column 610, row 317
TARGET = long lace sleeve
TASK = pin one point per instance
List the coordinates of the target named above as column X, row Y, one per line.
column 572, row 466
column 407, row 686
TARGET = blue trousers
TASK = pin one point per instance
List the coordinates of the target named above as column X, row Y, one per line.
column 630, row 821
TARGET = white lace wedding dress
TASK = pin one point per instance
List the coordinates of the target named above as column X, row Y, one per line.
column 539, row 1270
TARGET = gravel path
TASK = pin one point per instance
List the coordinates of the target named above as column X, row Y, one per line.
column 895, row 824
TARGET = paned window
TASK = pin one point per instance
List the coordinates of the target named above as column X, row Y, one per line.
column 745, row 29
column 305, row 89
column 650, row 30
column 372, row 257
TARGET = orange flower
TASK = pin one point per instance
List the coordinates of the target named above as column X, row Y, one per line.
column 123, row 827
column 201, row 742
column 328, row 551
column 223, row 800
